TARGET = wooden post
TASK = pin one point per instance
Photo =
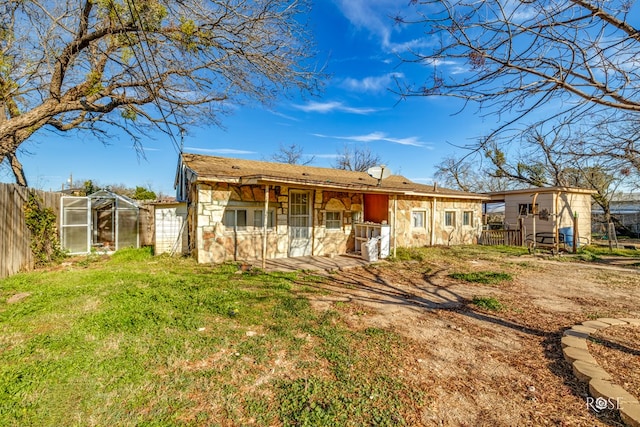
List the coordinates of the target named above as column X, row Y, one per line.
column 265, row 218
column 556, row 228
column 609, row 237
column 395, row 223
column 523, row 236
column 432, row 235
column 575, row 232
column 534, row 211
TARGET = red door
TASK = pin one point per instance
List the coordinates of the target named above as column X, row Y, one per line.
column 376, row 208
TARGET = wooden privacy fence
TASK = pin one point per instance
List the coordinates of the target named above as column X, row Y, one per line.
column 15, row 238
column 501, row 237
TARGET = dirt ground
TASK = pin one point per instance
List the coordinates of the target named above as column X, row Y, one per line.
column 493, row 368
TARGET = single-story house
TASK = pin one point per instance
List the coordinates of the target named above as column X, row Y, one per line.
column 548, row 213
column 244, row 209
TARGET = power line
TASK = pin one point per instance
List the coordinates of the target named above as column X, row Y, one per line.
column 147, row 76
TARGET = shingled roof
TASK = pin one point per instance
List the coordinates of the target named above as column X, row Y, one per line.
column 201, row 168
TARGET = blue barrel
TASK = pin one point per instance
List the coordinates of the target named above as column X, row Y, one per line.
column 567, row 232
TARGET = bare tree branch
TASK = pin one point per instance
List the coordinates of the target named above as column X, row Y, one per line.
column 538, row 64
column 291, row 154
column 356, row 159
column 68, row 64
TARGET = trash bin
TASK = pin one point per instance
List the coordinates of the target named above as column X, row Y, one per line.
column 567, row 232
column 370, row 250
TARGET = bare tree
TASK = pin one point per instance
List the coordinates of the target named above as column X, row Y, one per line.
column 470, row 174
column 545, row 158
column 555, row 58
column 96, row 66
column 356, row 159
column 291, row 154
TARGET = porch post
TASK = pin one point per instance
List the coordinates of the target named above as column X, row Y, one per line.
column 556, row 218
column 395, row 222
column 433, row 222
column 265, row 218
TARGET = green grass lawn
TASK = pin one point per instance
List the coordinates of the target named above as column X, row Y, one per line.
column 142, row 340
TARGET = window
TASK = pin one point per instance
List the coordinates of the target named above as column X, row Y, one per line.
column 333, row 220
column 467, row 218
column 258, row 216
column 525, row 209
column 418, row 219
column 235, row 218
column 449, row 219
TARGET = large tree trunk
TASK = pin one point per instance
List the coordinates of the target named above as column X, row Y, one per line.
column 17, row 169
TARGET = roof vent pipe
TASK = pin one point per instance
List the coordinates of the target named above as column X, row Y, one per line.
column 435, row 186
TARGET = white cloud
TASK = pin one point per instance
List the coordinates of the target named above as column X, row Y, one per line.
column 331, row 106
column 369, row 15
column 377, row 136
column 284, row 116
column 371, row 84
column 376, row 17
column 219, row 150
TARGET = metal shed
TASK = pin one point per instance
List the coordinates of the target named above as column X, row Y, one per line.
column 102, row 221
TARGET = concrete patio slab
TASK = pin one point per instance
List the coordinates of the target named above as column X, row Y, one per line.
column 314, row 263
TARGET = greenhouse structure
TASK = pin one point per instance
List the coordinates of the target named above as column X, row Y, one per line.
column 103, row 221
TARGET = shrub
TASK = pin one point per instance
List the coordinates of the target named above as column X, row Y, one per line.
column 41, row 222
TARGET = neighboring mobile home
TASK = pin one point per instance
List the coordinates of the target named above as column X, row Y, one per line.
column 247, row 210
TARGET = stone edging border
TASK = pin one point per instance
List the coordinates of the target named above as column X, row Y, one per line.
column 586, row 368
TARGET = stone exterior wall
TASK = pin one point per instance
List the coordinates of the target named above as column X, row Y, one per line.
column 335, row 241
column 406, row 235
column 459, row 234
column 214, row 243
column 435, row 232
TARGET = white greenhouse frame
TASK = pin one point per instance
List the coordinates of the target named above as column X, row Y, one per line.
column 102, row 221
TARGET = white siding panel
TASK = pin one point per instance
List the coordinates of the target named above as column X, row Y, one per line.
column 170, row 234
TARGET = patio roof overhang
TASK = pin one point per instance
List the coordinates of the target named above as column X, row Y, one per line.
column 394, row 188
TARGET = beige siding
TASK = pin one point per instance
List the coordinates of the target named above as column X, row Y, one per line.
column 561, row 205
column 571, row 204
column 512, row 213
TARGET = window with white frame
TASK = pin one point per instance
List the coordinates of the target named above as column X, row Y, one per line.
column 333, row 220
column 258, row 218
column 449, row 219
column 235, row 218
column 467, row 218
column 418, row 219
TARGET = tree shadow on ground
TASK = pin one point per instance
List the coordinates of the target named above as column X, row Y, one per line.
column 433, row 293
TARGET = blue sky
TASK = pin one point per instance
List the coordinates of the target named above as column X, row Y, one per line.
column 360, row 45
